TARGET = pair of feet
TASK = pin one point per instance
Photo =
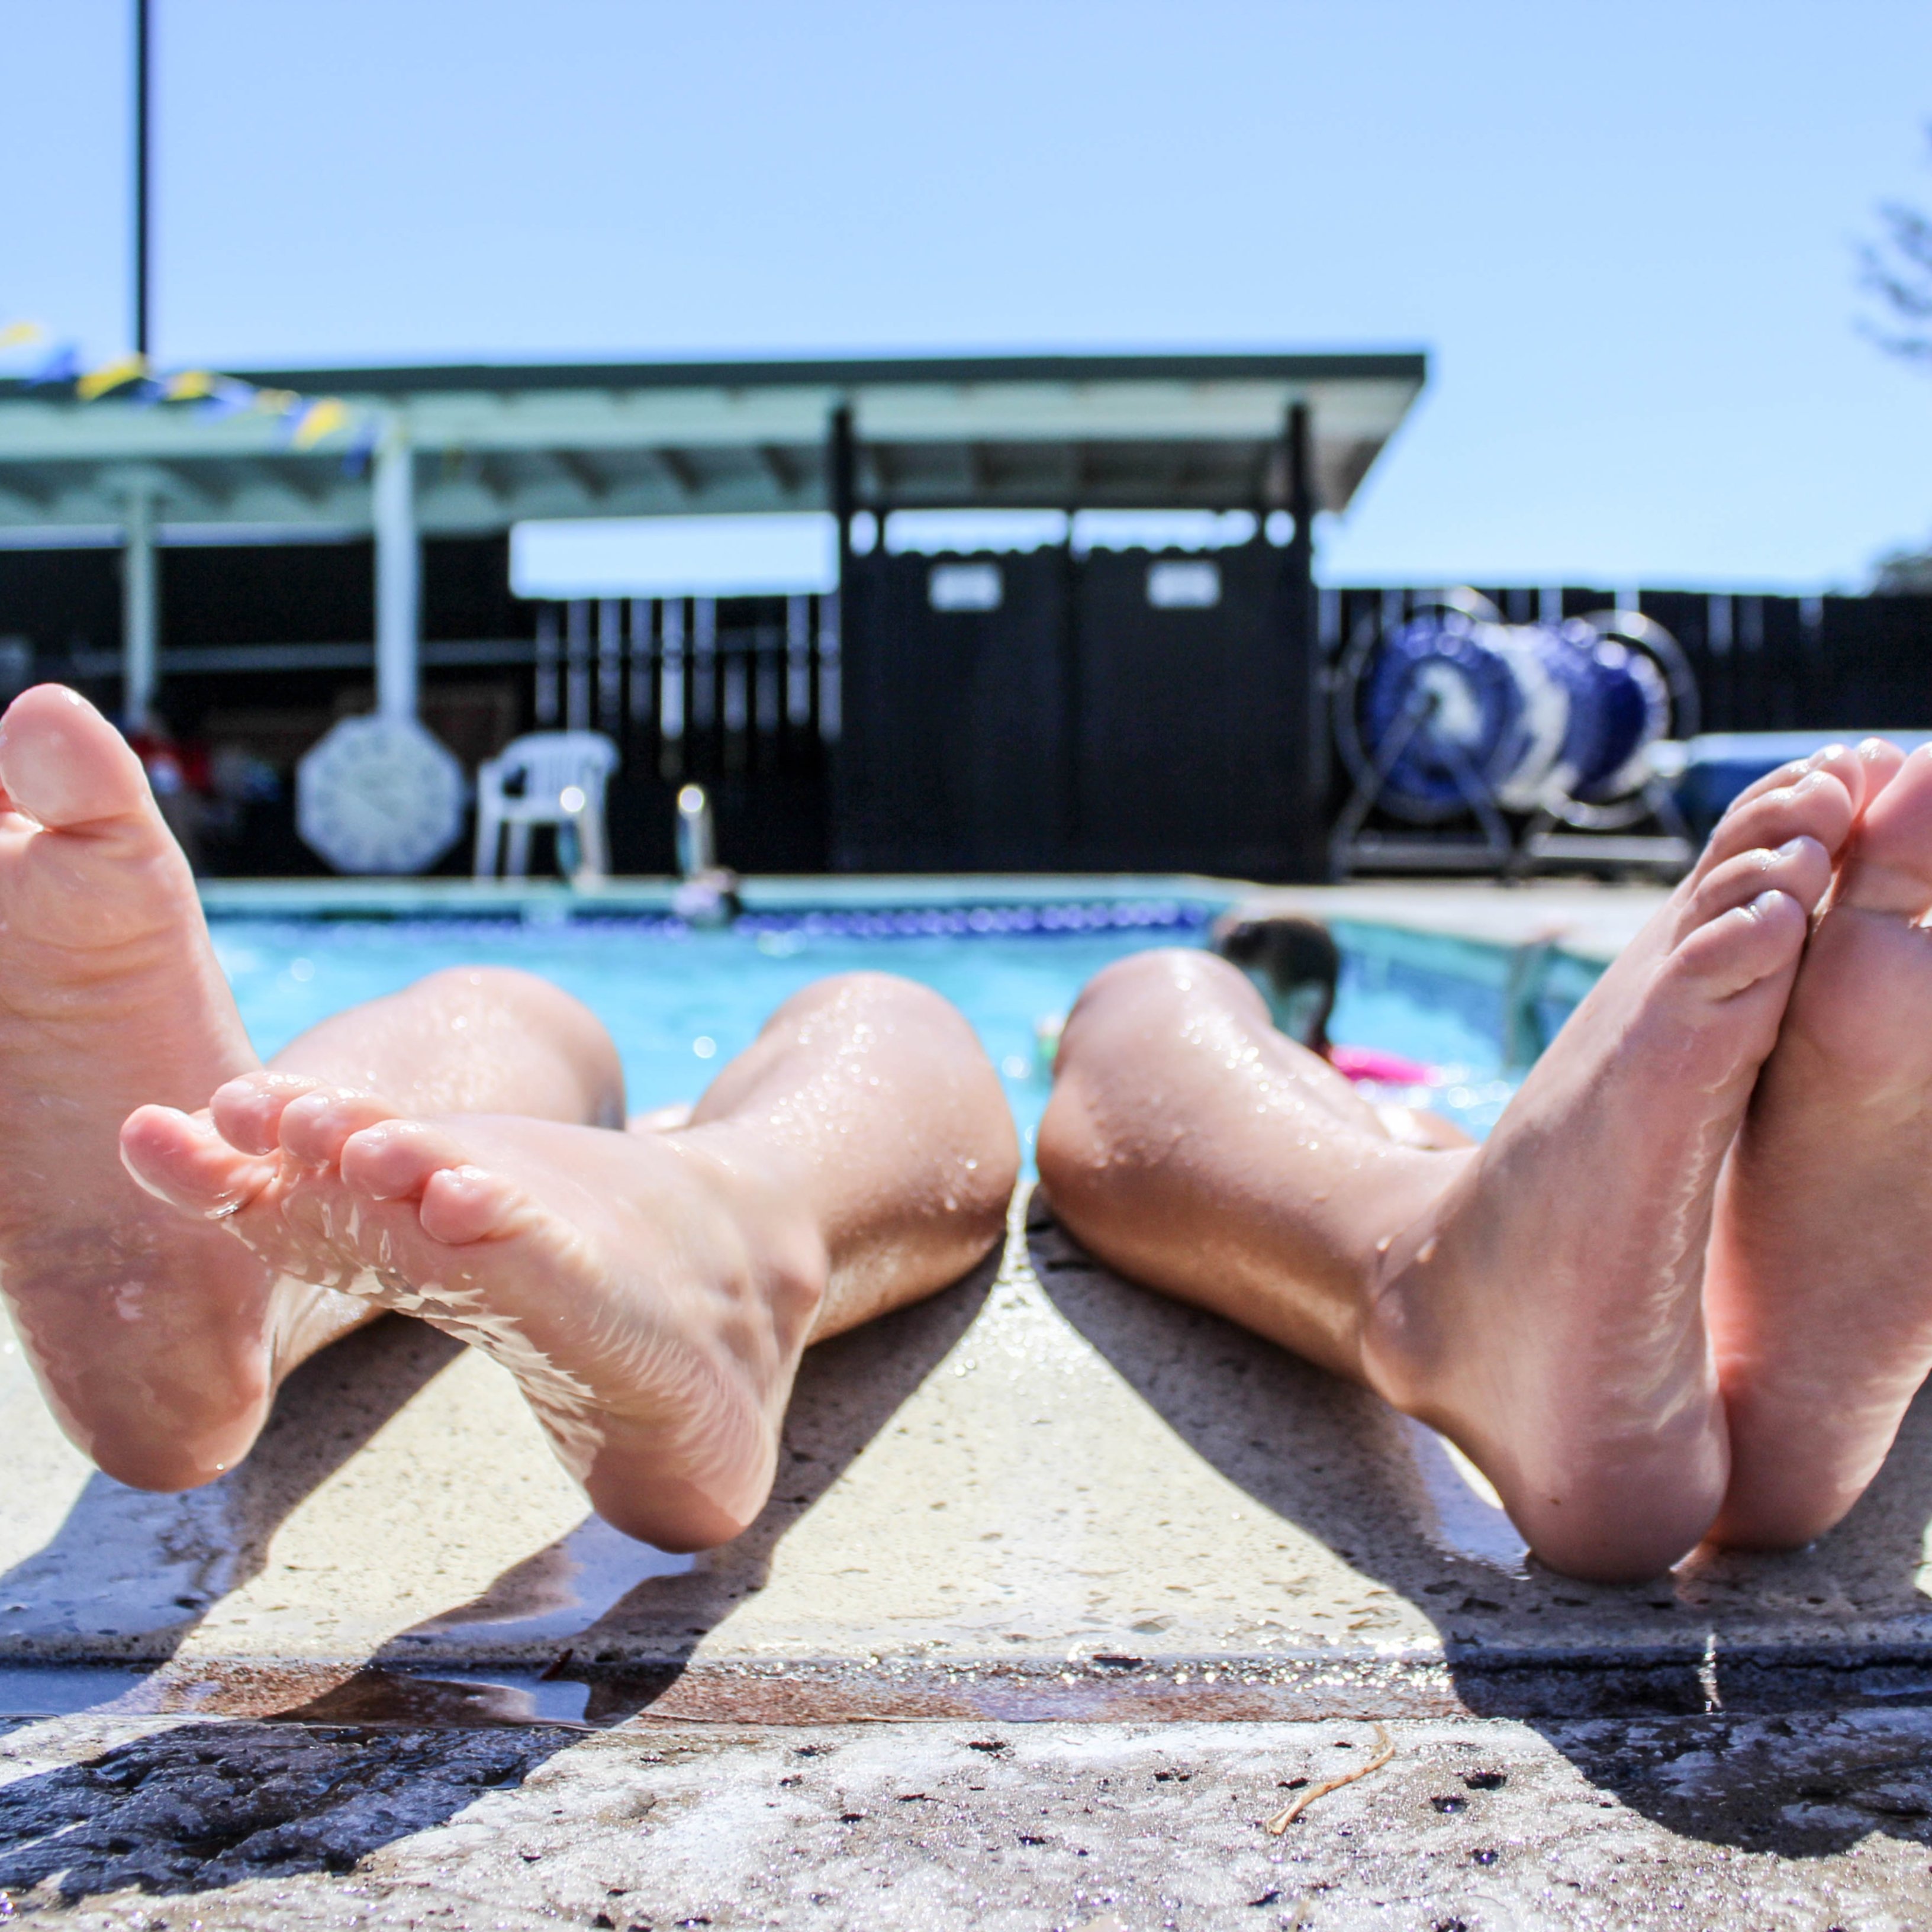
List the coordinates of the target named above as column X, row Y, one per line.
column 1683, row 1289
column 650, row 1290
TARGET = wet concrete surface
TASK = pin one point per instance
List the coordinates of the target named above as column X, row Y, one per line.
column 1104, row 1576
column 1045, row 1493
column 1714, row 1822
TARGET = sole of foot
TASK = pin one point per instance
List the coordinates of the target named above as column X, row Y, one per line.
column 1821, row 1290
column 1547, row 1312
column 650, row 1299
column 153, row 1338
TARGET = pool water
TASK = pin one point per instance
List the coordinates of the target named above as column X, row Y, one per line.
column 679, row 1004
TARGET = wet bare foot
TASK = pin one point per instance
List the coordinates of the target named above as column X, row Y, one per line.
column 1821, row 1291
column 153, row 1338
column 650, row 1292
column 1547, row 1312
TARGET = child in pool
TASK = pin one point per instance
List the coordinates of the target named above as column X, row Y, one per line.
column 457, row 1151
column 1295, row 966
column 1681, row 1291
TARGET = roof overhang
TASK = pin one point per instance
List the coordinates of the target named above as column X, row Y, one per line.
column 499, row 444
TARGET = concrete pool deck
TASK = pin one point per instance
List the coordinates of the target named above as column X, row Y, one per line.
column 1066, row 1538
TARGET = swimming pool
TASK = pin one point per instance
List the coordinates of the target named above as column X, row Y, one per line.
column 679, row 1002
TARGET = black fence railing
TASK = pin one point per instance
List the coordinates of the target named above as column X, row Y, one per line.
column 1763, row 662
column 1074, row 721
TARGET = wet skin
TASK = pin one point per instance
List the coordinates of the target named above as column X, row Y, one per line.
column 651, row 1291
column 1541, row 1299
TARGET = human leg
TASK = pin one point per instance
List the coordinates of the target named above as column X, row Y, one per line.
column 651, row 1291
column 1537, row 1299
column 159, row 1341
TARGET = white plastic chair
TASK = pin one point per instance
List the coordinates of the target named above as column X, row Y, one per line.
column 562, row 776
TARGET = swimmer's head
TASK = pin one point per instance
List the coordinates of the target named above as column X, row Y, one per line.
column 1293, row 961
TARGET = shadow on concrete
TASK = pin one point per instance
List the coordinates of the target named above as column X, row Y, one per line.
column 129, row 1574
column 597, row 1607
column 1594, row 1668
column 200, row 1806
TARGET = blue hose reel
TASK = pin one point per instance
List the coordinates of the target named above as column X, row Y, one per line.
column 1452, row 713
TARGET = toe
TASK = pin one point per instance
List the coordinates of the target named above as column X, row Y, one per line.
column 394, row 1159
column 182, row 1160
column 1890, row 869
column 62, row 763
column 248, row 1111
column 314, row 1127
column 461, row 1205
column 1879, row 761
column 1801, row 867
column 1747, row 946
column 1822, row 803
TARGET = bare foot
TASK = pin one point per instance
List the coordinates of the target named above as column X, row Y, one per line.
column 1821, row 1290
column 1547, row 1312
column 650, row 1292
column 153, row 1338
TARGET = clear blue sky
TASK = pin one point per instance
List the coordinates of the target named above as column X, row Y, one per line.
column 1625, row 231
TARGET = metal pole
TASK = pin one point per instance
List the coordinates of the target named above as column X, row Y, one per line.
column 398, row 577
column 837, row 626
column 576, row 665
column 1311, row 844
column 141, row 128
column 140, row 611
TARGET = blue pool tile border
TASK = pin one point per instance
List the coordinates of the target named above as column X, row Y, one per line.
column 970, row 921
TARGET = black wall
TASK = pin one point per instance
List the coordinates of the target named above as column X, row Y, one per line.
column 955, row 722
column 1077, row 727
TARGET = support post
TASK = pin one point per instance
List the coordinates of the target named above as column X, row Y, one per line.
column 1310, row 840
column 140, row 611
column 398, row 577
column 837, row 637
column 141, row 89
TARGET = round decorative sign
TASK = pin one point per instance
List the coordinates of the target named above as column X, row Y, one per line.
column 379, row 795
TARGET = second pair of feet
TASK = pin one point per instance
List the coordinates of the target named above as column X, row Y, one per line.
column 1684, row 1290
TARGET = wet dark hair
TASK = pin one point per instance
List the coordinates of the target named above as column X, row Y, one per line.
column 1291, row 949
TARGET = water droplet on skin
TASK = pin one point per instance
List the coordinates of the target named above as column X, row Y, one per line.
column 1382, row 1245
column 1426, row 1253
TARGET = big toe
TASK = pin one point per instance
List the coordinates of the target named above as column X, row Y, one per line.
column 61, row 763
column 181, row 1159
column 1889, row 869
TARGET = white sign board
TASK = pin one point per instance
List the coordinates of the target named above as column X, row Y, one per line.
column 786, row 554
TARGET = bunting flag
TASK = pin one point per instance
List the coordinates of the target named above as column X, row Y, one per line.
column 225, row 396
column 110, row 376
column 315, row 420
column 61, row 364
column 305, row 421
column 368, row 432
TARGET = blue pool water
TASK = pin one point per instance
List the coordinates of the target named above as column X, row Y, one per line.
column 679, row 1004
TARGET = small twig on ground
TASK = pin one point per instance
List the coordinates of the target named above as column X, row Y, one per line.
column 1286, row 1816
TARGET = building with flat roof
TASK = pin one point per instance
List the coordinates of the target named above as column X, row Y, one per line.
column 404, row 460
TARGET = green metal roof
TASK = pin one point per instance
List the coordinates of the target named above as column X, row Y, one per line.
column 498, row 443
